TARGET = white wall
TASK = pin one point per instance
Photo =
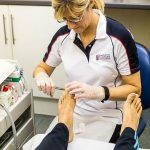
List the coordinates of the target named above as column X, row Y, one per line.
column 137, row 21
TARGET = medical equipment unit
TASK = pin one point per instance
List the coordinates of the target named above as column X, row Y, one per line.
column 16, row 107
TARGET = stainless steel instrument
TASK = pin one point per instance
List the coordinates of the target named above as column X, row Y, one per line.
column 59, row 88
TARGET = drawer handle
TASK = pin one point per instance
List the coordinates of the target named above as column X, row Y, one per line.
column 12, row 29
column 4, row 25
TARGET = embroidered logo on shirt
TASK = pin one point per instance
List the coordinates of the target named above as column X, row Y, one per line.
column 105, row 57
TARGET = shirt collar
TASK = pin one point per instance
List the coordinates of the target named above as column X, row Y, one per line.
column 101, row 27
column 72, row 34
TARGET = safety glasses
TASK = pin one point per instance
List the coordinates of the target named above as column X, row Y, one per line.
column 78, row 19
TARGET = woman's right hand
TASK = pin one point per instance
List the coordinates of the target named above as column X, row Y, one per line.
column 45, row 83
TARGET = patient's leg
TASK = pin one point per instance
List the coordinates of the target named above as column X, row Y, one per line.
column 58, row 138
column 66, row 108
column 131, row 112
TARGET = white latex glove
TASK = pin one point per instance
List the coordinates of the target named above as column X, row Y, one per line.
column 45, row 83
column 82, row 90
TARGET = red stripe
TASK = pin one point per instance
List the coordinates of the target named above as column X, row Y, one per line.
column 125, row 49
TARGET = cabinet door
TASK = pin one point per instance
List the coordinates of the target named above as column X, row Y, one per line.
column 33, row 28
column 5, row 38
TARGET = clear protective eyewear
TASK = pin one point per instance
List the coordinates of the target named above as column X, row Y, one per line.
column 78, row 19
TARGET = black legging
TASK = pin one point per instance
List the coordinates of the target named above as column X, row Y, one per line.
column 57, row 139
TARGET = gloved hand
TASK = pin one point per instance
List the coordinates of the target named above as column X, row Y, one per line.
column 45, row 83
column 82, row 90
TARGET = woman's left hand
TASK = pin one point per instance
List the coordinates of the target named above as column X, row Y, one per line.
column 82, row 90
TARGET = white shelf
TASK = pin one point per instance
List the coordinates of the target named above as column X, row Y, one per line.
column 16, row 110
column 22, row 106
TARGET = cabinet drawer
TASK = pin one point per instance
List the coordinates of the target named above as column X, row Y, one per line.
column 22, row 135
column 16, row 110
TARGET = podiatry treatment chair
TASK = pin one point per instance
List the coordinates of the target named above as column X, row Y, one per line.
column 144, row 61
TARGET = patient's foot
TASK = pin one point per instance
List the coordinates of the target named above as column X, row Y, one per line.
column 66, row 108
column 132, row 112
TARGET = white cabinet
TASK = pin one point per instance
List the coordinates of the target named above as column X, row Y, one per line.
column 21, row 112
column 31, row 29
column 5, row 38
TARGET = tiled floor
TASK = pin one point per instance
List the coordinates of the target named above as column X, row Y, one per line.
column 42, row 122
column 144, row 140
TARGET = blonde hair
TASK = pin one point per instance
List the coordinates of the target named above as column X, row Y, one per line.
column 73, row 7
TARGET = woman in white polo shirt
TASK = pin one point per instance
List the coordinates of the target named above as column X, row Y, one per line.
column 100, row 59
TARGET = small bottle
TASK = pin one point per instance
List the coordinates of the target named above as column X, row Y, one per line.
column 6, row 98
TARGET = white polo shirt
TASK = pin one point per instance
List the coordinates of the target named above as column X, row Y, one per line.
column 113, row 53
